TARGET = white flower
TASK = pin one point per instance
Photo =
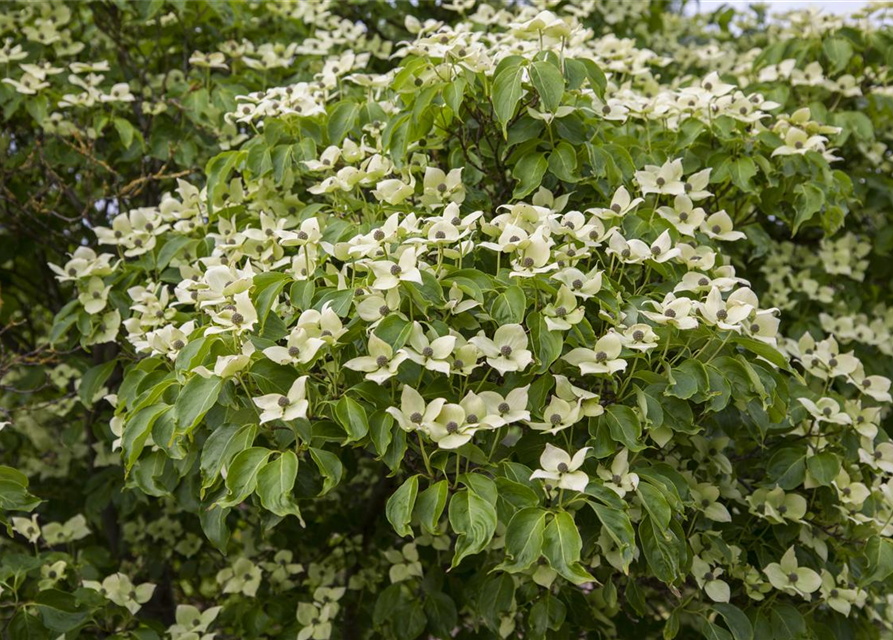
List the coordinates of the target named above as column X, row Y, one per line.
column 826, row 410
column 639, row 337
column 603, row 358
column 451, row 429
column 507, row 351
column 563, row 313
column 505, row 410
column 589, row 403
column 238, row 318
column 119, row 589
column 559, row 415
column 581, row 285
column 727, row 315
column 414, row 413
column 27, row 528
column 558, row 466
column 430, row 354
column 94, row 295
column 288, row 407
column 300, row 348
column 666, row 179
column 791, row 578
column 381, row 363
column 390, row 274
column 719, row 227
column 684, row 217
column 215, row 60
column 618, row 477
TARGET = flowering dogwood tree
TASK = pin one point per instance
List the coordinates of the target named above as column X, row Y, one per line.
column 547, row 319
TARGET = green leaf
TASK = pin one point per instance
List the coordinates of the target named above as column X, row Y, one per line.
column 839, row 51
column 400, row 505
column 547, row 613
column 741, row 171
column 686, row 380
column 597, row 79
column 497, row 596
column 329, row 466
column 763, row 350
column 563, row 162
column 430, row 505
column 507, row 94
column 656, row 504
column 213, row 521
column 787, row 467
column 808, row 201
column 218, row 169
column 524, row 539
column 562, row 545
column 341, row 120
column 508, row 307
column 619, row 527
column 194, row 401
column 275, row 483
column 454, row 92
column 137, row 430
column 529, row 172
column 735, row 619
column 241, row 478
column 474, row 520
column 664, row 550
column 879, row 554
column 171, row 248
column 546, row 344
column 394, row 330
column 221, row 447
column 351, row 415
column 61, row 612
column 125, row 131
column 824, row 467
column 268, row 286
column 624, row 426
column 93, row 380
column 549, row 83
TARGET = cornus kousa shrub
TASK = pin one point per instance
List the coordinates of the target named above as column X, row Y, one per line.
column 552, row 320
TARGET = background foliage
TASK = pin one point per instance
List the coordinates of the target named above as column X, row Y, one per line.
column 359, row 319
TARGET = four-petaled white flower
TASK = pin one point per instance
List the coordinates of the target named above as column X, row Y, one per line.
column 507, row 351
column 561, row 470
column 381, row 363
column 603, row 358
column 291, row 406
column 790, row 577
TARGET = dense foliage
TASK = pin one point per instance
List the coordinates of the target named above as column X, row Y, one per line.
column 457, row 319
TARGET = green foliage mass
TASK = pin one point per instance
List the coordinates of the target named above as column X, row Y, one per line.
column 458, row 319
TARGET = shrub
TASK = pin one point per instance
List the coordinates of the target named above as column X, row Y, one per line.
column 531, row 329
